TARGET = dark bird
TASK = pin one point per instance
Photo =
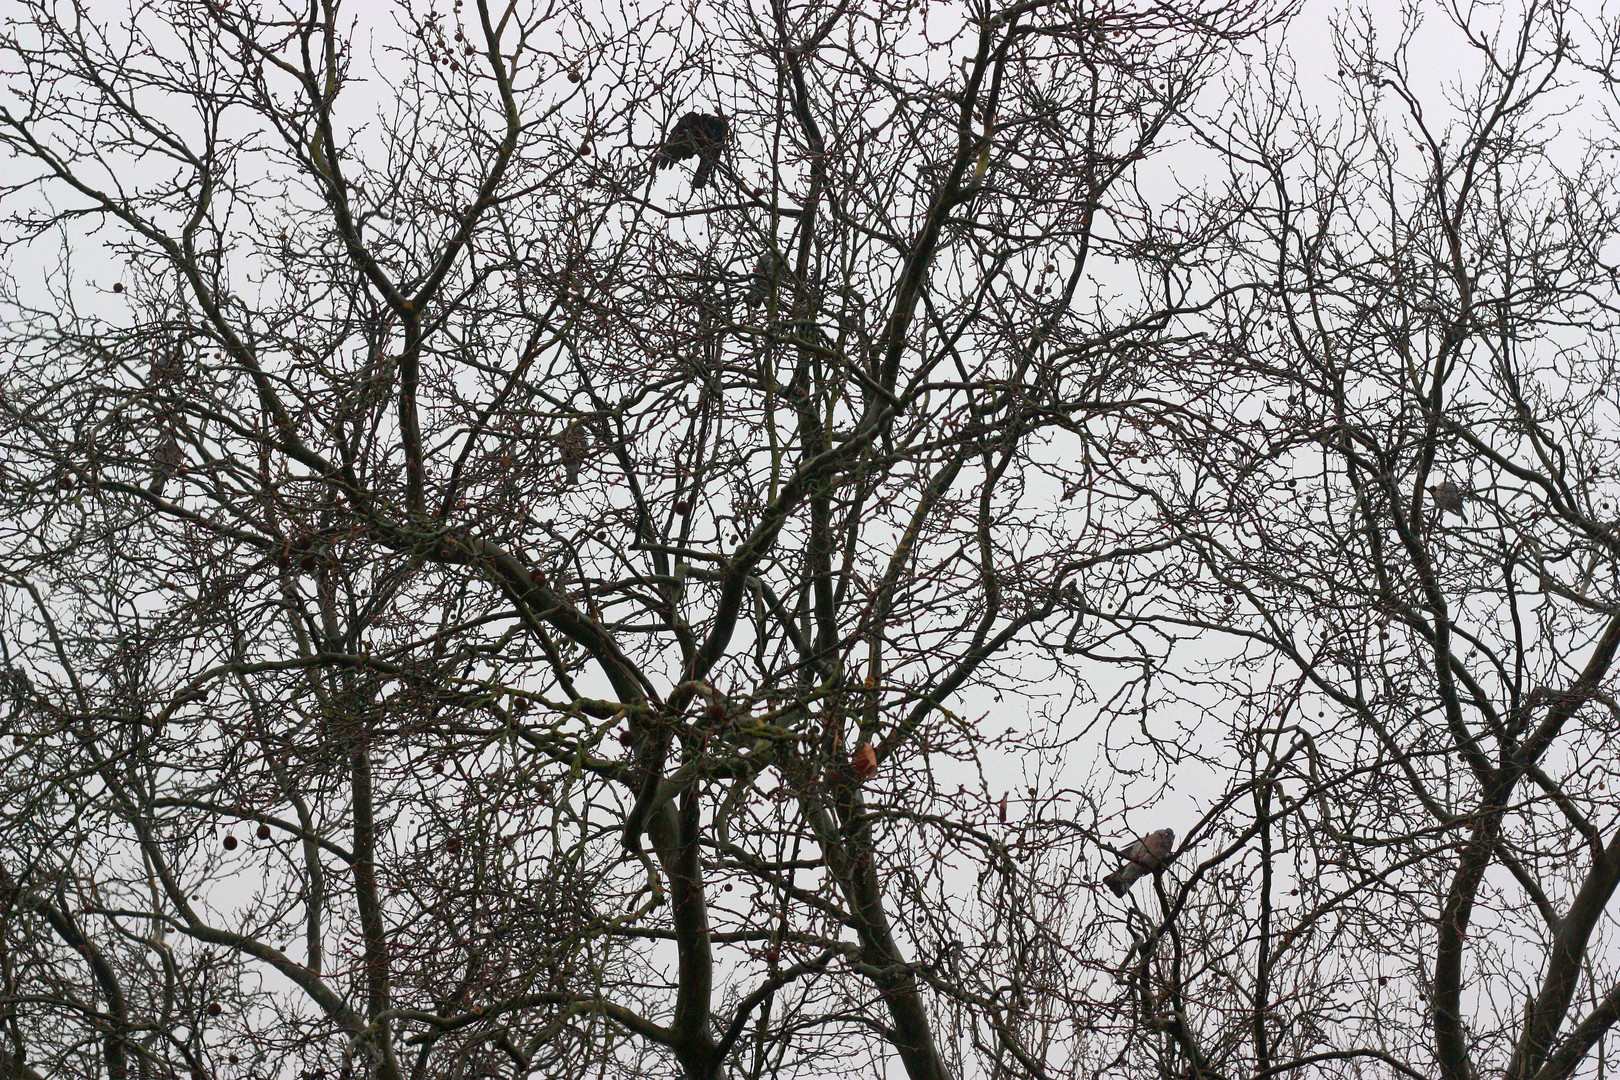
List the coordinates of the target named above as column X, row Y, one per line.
column 695, row 134
column 767, row 273
column 166, row 461
column 1448, row 497
column 1148, row 855
column 572, row 446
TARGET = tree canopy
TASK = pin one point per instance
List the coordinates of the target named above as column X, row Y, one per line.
column 479, row 605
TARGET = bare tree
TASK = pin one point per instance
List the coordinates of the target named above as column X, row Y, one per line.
column 448, row 633
column 1393, row 466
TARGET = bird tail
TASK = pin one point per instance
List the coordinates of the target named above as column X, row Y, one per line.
column 705, row 169
column 1116, row 881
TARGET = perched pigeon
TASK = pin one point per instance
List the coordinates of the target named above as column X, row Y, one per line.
column 168, row 368
column 572, row 447
column 767, row 272
column 1448, row 497
column 698, row 134
column 1146, row 856
column 166, row 461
